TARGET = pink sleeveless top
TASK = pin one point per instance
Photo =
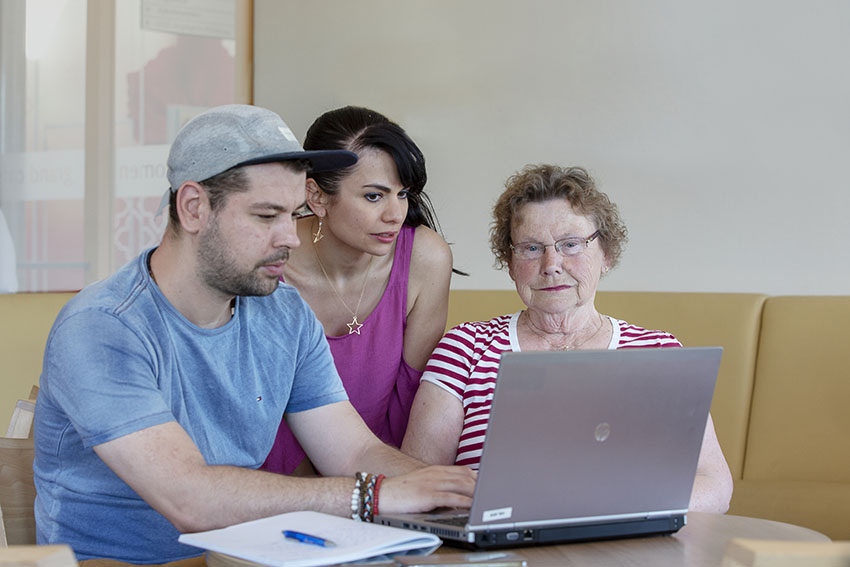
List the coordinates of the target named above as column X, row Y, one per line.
column 380, row 384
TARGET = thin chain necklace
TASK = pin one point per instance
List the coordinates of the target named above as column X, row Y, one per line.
column 543, row 335
column 354, row 326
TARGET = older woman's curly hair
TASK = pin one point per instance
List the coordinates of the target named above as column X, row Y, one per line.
column 537, row 183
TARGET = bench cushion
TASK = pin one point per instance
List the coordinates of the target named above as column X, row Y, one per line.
column 800, row 421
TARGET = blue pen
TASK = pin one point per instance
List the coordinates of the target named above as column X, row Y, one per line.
column 307, row 538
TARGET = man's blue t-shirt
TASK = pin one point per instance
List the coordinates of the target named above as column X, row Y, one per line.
column 120, row 358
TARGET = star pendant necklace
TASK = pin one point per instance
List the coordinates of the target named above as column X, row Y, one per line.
column 543, row 335
column 354, row 326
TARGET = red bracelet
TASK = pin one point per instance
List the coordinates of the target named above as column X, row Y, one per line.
column 375, row 497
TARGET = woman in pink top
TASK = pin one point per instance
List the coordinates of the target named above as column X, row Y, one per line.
column 374, row 270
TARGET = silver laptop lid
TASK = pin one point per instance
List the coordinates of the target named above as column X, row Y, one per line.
column 594, row 434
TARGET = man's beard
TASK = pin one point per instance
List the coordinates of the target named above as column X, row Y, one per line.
column 219, row 269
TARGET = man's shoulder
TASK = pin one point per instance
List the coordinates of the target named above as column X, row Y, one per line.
column 113, row 295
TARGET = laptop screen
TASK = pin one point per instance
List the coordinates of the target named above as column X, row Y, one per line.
column 594, row 434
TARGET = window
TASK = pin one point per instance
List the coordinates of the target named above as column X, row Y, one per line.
column 92, row 93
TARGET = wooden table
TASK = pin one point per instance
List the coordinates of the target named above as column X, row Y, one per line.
column 701, row 543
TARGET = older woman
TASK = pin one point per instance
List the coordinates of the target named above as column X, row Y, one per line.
column 557, row 235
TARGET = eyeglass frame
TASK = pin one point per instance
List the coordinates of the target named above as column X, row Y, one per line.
column 556, row 244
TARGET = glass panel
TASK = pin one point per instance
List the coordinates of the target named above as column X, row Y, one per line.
column 173, row 60
column 42, row 43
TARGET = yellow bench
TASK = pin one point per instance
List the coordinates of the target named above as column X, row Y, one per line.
column 25, row 321
column 779, row 406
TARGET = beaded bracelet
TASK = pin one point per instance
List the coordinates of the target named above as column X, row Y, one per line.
column 364, row 496
column 355, row 496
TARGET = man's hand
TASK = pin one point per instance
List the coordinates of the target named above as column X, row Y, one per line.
column 428, row 488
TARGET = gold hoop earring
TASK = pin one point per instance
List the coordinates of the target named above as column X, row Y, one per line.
column 317, row 236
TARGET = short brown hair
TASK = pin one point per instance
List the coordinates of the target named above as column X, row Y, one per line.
column 538, row 183
column 221, row 185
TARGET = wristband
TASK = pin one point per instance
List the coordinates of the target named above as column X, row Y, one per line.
column 375, row 497
column 363, row 497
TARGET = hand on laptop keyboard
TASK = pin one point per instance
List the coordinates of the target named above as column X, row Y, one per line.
column 428, row 488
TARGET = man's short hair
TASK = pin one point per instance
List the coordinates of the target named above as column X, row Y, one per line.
column 220, row 186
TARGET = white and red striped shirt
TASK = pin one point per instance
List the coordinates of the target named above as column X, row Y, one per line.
column 466, row 363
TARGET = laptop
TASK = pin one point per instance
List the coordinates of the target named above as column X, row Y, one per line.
column 584, row 445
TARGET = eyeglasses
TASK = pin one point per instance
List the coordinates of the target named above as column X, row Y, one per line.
column 566, row 247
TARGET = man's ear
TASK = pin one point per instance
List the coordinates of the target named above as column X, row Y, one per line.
column 317, row 199
column 193, row 207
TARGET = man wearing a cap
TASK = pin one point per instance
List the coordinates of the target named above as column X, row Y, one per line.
column 163, row 385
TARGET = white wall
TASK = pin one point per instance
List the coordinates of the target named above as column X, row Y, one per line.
column 722, row 129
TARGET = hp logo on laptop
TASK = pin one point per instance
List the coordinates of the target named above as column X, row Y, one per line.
column 602, row 431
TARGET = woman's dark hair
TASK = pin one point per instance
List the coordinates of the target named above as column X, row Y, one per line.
column 355, row 129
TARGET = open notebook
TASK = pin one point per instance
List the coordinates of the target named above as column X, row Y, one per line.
column 261, row 542
column 585, row 445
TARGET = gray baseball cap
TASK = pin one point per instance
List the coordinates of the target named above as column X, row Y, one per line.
column 234, row 135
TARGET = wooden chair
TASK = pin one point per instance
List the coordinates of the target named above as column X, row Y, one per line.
column 17, row 491
column 38, row 556
column 20, row 426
